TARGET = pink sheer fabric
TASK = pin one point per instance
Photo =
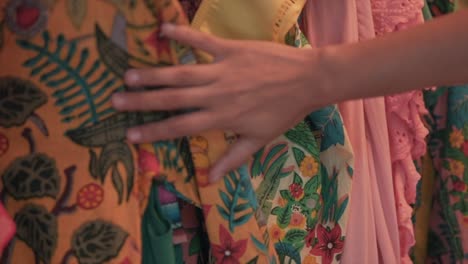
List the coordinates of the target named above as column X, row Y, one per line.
column 7, row 228
column 406, row 129
column 372, row 235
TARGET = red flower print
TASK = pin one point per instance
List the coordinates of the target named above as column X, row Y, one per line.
column 297, row 220
column 310, row 238
column 296, row 191
column 4, row 144
column 465, row 148
column 329, row 243
column 27, row 16
column 230, row 251
column 459, row 186
column 147, row 162
column 90, row 196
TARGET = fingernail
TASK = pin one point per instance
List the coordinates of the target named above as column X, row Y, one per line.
column 134, row 135
column 131, row 77
column 167, row 28
column 118, row 101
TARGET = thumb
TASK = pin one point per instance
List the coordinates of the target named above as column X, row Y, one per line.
column 193, row 38
column 234, row 157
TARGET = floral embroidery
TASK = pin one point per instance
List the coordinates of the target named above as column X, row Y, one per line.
column 297, row 220
column 276, row 233
column 296, row 191
column 229, row 251
column 100, row 131
column 456, row 138
column 26, row 17
column 329, row 243
column 459, row 186
column 281, row 201
column 309, row 167
column 90, row 196
column 457, row 168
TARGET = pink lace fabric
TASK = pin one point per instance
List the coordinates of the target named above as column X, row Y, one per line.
column 406, row 129
column 394, row 15
column 7, row 228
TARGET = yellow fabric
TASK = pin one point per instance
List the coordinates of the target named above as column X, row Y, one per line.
column 80, row 197
column 235, row 19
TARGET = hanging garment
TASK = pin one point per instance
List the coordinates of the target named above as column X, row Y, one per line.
column 447, row 238
column 68, row 71
column 372, row 228
column 70, row 180
column 406, row 129
column 288, row 187
column 448, row 234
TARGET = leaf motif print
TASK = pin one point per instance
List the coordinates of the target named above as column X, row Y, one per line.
column 458, row 105
column 38, row 229
column 333, row 207
column 341, row 208
column 117, row 182
column 256, row 169
column 284, row 216
column 312, row 185
column 97, row 242
column 298, row 156
column 259, row 245
column 82, row 95
column 112, row 154
column 237, row 208
column 76, row 11
column 328, row 121
column 18, row 100
column 296, row 237
column 115, row 58
column 273, row 174
column 32, row 176
column 302, row 136
column 286, row 250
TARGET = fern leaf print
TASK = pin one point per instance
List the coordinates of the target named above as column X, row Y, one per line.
column 238, row 200
column 82, row 88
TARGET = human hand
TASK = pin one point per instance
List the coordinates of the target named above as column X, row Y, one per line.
column 257, row 90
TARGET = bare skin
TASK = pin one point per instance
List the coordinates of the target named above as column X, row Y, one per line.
column 259, row 90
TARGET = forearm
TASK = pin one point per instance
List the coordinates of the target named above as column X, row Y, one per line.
column 432, row 54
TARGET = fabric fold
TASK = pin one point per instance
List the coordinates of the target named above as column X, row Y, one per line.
column 372, row 227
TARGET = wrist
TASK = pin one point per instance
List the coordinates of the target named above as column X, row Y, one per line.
column 334, row 75
column 353, row 72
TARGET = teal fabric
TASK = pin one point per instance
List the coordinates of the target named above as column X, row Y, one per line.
column 157, row 234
